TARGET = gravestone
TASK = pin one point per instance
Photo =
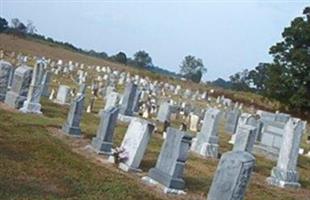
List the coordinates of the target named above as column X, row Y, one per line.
column 135, row 143
column 232, row 120
column 5, row 71
column 285, row 174
column 32, row 104
column 112, row 100
column 248, row 119
column 164, row 112
column 20, row 86
column 245, row 138
column 194, row 120
column 46, row 84
column 102, row 143
column 206, row 142
column 72, row 125
column 232, row 176
column 128, row 99
column 136, row 101
column 171, row 161
column 62, row 94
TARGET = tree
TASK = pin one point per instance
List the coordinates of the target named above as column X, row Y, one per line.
column 31, row 29
column 240, row 81
column 288, row 75
column 192, row 68
column 18, row 27
column 258, row 76
column 3, row 24
column 142, row 59
column 120, row 58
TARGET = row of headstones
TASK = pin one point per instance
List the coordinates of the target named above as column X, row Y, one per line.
column 168, row 171
column 250, row 129
column 23, row 87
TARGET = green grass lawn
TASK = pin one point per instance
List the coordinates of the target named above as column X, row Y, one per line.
column 36, row 165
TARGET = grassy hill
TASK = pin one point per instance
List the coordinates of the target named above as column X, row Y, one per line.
column 38, row 162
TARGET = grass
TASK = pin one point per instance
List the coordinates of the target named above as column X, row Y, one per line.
column 37, row 165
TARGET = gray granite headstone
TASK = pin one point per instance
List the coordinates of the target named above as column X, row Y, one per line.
column 206, row 142
column 32, row 104
column 135, row 143
column 20, row 86
column 232, row 120
column 285, row 174
column 128, row 99
column 5, row 70
column 164, row 112
column 102, row 143
column 245, row 138
column 62, row 94
column 232, row 176
column 171, row 161
column 46, row 84
column 72, row 125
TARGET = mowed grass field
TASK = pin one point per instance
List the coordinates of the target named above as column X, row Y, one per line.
column 36, row 163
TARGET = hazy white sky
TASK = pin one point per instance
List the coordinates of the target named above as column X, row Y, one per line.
column 228, row 35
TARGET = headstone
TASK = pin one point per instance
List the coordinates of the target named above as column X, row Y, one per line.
column 128, row 99
column 112, row 100
column 171, row 161
column 72, row 125
column 136, row 101
column 194, row 120
column 245, row 138
column 46, row 83
column 20, row 86
column 135, row 143
column 102, row 143
column 164, row 112
column 285, row 174
column 206, row 142
column 232, row 120
column 232, row 176
column 5, row 70
column 62, row 94
column 32, row 104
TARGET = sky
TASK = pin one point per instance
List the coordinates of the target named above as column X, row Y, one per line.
column 228, row 36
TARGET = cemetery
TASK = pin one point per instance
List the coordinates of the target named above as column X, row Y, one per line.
column 73, row 126
column 188, row 163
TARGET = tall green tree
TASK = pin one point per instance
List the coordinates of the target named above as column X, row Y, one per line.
column 192, row 68
column 288, row 77
column 3, row 24
column 120, row 58
column 142, row 59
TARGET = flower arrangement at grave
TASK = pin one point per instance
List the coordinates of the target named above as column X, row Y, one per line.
column 119, row 154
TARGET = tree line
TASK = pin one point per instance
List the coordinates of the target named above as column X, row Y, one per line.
column 287, row 77
column 191, row 68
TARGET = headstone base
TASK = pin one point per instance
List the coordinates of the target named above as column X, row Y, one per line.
column 165, row 189
column 125, row 118
column 14, row 100
column 127, row 168
column 72, row 131
column 29, row 107
column 167, row 180
column 210, row 150
column 60, row 102
column 101, row 147
column 268, row 152
column 283, row 179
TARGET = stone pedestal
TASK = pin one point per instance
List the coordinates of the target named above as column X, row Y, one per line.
column 285, row 174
